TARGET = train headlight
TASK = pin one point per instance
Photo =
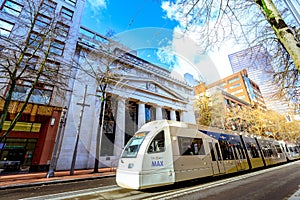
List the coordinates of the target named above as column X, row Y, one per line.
column 130, row 165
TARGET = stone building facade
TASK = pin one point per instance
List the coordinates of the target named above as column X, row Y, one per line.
column 146, row 92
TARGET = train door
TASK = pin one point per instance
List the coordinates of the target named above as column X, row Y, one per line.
column 12, row 158
column 217, row 163
column 241, row 156
column 157, row 167
column 238, row 154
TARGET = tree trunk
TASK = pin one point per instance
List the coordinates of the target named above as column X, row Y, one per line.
column 6, row 106
column 282, row 31
column 99, row 135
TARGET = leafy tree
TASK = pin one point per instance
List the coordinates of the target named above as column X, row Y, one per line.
column 210, row 110
column 203, row 110
column 249, row 22
column 263, row 123
column 28, row 55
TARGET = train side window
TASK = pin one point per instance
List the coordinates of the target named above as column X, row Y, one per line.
column 226, row 150
column 218, row 151
column 191, row 146
column 212, row 152
column 157, row 144
column 253, row 150
column 235, row 152
column 278, row 148
column 240, row 151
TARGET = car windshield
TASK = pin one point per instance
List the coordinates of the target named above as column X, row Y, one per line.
column 133, row 146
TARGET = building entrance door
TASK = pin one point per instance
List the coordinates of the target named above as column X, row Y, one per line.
column 11, row 159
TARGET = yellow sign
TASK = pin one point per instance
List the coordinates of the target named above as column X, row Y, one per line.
column 23, row 126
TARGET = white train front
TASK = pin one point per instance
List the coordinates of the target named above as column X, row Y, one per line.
column 164, row 152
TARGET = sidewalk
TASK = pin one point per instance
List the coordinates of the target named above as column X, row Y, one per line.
column 32, row 179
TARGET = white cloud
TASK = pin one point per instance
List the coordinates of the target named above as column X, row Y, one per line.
column 190, row 46
column 170, row 9
column 166, row 55
column 185, row 56
column 97, row 5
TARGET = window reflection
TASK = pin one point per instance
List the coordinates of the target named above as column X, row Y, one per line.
column 38, row 96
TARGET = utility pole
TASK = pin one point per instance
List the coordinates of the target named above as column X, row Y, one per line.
column 58, row 142
column 83, row 105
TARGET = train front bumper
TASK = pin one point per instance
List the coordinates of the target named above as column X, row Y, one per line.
column 128, row 179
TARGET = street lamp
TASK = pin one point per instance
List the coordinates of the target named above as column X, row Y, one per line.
column 58, row 142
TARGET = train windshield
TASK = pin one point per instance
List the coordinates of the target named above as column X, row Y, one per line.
column 133, row 146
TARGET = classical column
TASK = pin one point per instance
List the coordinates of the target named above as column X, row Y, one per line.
column 158, row 113
column 141, row 114
column 173, row 115
column 182, row 114
column 120, row 127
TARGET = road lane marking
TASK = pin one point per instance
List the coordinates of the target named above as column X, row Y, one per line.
column 76, row 193
column 194, row 189
column 161, row 195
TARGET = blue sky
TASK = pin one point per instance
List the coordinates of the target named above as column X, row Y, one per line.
column 125, row 15
column 149, row 26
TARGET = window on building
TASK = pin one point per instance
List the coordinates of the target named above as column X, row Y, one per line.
column 41, row 94
column 150, row 113
column 67, row 13
column 86, row 32
column 190, row 146
column 29, row 62
column 51, row 68
column 43, row 21
column 177, row 115
column 237, row 92
column 48, row 7
column 62, row 30
column 72, row 2
column 233, row 80
column 5, row 28
column 57, row 47
column 166, row 114
column 235, row 86
column 18, row 150
column 12, row 7
column 35, row 39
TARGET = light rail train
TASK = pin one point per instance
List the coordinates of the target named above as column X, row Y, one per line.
column 164, row 152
